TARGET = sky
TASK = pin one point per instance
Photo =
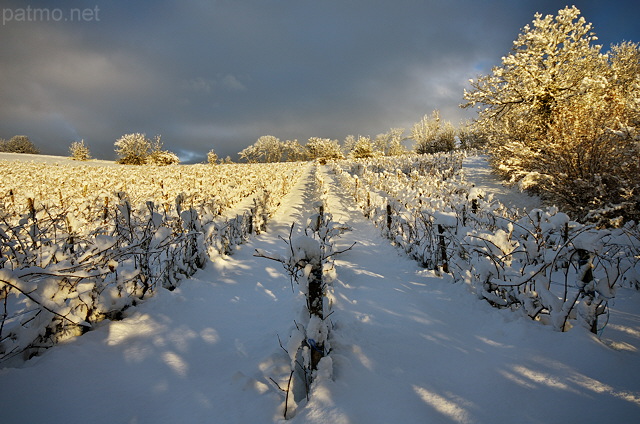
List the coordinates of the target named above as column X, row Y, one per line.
column 219, row 74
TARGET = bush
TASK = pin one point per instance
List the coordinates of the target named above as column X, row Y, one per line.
column 212, row 157
column 163, row 158
column 18, row 144
column 79, row 151
column 433, row 135
column 133, row 149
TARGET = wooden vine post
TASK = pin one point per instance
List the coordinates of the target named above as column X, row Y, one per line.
column 315, row 307
column 443, row 249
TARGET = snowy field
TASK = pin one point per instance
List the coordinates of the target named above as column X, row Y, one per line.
column 408, row 346
column 53, row 160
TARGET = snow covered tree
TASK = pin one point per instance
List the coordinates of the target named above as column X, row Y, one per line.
column 323, row 149
column 161, row 157
column 266, row 149
column 349, row 143
column 18, row 144
column 363, row 148
column 432, row 135
column 212, row 157
column 79, row 151
column 250, row 154
column 293, row 151
column 546, row 68
column 470, row 137
column 390, row 143
column 133, row 149
column 556, row 114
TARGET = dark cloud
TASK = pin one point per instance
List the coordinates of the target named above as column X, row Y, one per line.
column 219, row 74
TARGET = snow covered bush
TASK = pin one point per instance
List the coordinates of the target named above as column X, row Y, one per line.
column 136, row 149
column 79, row 151
column 212, row 157
column 363, row 148
column 266, row 149
column 133, row 149
column 18, row 144
column 432, row 135
column 390, row 143
column 163, row 158
column 323, row 149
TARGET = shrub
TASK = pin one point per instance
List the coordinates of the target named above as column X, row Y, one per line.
column 212, row 157
column 133, row 149
column 79, row 151
column 18, row 144
column 163, row 158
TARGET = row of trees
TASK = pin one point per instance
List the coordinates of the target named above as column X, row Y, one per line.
column 429, row 135
column 132, row 149
column 562, row 117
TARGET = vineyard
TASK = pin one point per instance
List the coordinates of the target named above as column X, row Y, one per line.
column 554, row 270
column 80, row 244
column 299, row 291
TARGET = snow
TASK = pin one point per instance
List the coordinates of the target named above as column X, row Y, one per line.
column 408, row 346
column 478, row 173
column 54, row 160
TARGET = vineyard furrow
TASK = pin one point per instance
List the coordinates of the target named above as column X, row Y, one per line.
column 407, row 343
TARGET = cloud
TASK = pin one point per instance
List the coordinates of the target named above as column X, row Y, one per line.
column 220, row 74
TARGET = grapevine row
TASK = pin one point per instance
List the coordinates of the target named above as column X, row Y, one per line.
column 539, row 262
column 69, row 262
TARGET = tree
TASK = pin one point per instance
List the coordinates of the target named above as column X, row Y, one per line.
column 556, row 114
column 293, row 151
column 212, row 157
column 470, row 137
column 266, row 149
column 79, row 151
column 133, row 149
column 137, row 149
column 18, row 144
column 390, row 143
column 432, row 135
column 363, row 148
column 161, row 157
column 546, row 68
column 323, row 149
column 349, row 143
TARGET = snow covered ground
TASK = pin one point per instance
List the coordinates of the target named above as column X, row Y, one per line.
column 408, row 347
column 479, row 173
column 54, row 160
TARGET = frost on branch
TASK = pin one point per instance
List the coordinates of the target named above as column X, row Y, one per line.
column 540, row 263
column 561, row 117
column 109, row 237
